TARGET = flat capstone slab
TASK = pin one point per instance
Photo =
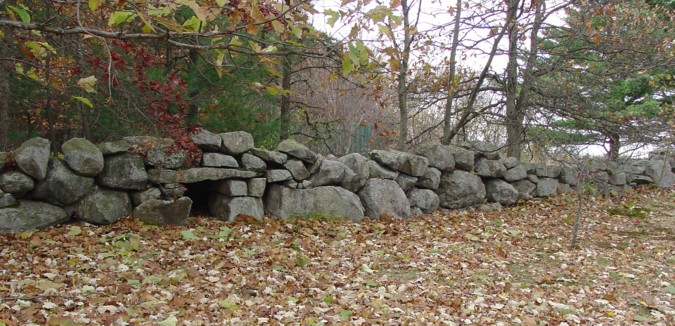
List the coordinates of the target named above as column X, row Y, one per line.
column 197, row 175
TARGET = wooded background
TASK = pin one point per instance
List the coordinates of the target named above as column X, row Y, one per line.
column 576, row 73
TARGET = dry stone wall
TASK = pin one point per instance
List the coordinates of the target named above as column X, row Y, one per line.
column 145, row 177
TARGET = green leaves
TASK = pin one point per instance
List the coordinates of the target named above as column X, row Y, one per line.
column 84, row 101
column 120, row 17
column 20, row 11
column 94, row 4
column 188, row 235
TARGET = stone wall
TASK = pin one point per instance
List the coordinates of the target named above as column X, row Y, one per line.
column 146, row 177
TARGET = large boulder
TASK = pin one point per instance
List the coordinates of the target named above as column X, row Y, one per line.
column 83, row 157
column 256, row 187
column 253, row 163
column 358, row 164
column 126, row 171
column 284, row 202
column 405, row 181
column 218, row 160
column 380, row 196
column 515, row 173
column 139, row 197
column 548, row 171
column 30, row 215
column 193, row 175
column 424, row 199
column 270, row 156
column 62, row 186
column 228, row 208
column 167, row 157
column 430, row 180
column 439, row 156
column 460, row 189
column 660, row 171
column 569, row 176
column 489, row 168
column 297, row 150
column 164, row 212
column 32, row 157
column 328, row 173
column 232, row 188
column 236, row 143
column 407, row 163
column 278, row 175
column 546, row 187
column 524, row 188
column 16, row 183
column 297, row 169
column 501, row 192
column 115, row 147
column 511, row 162
column 207, row 140
column 464, row 158
column 103, row 206
column 377, row 171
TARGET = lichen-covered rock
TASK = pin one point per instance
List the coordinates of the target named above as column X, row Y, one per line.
column 83, row 157
column 103, row 206
column 270, row 156
column 126, row 171
column 430, row 180
column 511, row 162
column 618, row 178
column 115, row 147
column 297, row 150
column 439, row 156
column 659, row 171
column 464, row 158
column 7, row 200
column 278, row 175
column 297, row 169
column 407, row 163
column 384, row 197
column 207, row 140
column 167, row 157
column 232, row 188
column 377, row 171
column 515, row 173
column 548, row 171
column 328, row 173
column 256, row 187
column 164, row 212
column 62, row 186
column 193, row 175
column 32, row 157
column 29, row 215
column 358, row 164
column 489, row 168
column 228, row 208
column 524, row 187
column 424, row 199
column 16, row 183
column 140, row 197
column 569, row 176
column 218, row 160
column 546, row 187
column 4, row 157
column 501, row 192
column 460, row 189
column 236, row 143
column 253, row 163
column 405, row 181
column 284, row 202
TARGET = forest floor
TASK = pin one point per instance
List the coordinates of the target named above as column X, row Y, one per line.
column 510, row 267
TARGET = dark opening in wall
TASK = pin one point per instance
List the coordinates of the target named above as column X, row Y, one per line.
column 199, row 193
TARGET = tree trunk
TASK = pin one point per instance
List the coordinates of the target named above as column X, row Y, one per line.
column 5, row 44
column 49, row 110
column 614, row 146
column 452, row 79
column 402, row 90
column 285, row 114
column 514, row 128
column 192, row 115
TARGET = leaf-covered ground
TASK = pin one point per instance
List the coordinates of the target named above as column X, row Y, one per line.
column 509, row 267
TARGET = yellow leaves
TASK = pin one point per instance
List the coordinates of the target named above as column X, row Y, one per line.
column 40, row 49
column 94, row 4
column 193, row 24
column 88, row 84
column 277, row 90
column 120, row 17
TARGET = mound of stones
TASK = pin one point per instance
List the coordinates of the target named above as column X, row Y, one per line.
column 149, row 179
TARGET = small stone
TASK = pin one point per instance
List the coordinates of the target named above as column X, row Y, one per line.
column 256, row 187
column 218, row 160
column 234, row 188
column 278, row 175
column 236, row 143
